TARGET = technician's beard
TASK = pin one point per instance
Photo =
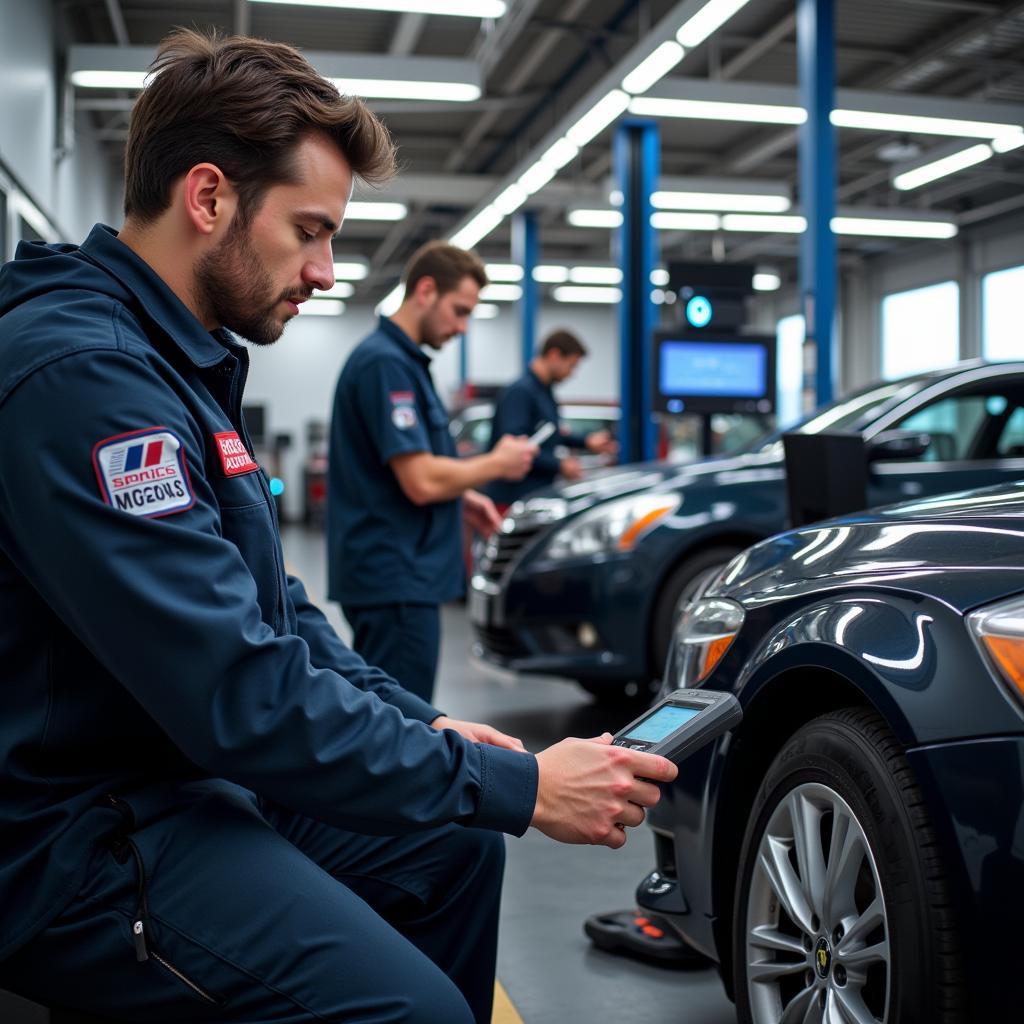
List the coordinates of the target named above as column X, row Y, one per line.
column 233, row 284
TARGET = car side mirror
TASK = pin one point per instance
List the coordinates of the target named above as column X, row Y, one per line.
column 898, row 444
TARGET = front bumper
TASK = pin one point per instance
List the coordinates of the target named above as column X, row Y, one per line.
column 585, row 620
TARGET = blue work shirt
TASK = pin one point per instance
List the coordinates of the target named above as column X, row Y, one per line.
column 149, row 636
column 522, row 408
column 381, row 547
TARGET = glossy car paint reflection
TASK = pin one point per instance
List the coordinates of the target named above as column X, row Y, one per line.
column 869, row 611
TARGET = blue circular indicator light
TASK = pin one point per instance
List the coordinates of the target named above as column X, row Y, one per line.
column 698, row 311
column 276, row 486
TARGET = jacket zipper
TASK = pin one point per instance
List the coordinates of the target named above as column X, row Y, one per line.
column 144, row 948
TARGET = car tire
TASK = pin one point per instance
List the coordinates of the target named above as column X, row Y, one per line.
column 680, row 586
column 820, row 932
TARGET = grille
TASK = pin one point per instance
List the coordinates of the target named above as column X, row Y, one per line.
column 503, row 548
column 501, row 642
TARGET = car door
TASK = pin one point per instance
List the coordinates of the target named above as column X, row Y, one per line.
column 977, row 439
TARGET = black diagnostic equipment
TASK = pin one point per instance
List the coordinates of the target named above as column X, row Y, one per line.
column 681, row 723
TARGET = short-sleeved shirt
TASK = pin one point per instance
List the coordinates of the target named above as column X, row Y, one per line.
column 522, row 408
column 382, row 548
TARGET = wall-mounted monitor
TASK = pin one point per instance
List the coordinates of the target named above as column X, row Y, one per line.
column 698, row 373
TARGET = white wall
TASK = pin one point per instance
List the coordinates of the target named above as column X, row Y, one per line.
column 295, row 378
column 73, row 191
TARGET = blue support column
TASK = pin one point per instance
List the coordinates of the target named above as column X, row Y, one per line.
column 524, row 252
column 816, row 63
column 464, row 358
column 637, row 154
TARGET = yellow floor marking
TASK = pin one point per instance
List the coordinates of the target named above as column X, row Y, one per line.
column 504, row 1011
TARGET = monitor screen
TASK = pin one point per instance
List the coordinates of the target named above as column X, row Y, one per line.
column 713, row 374
column 662, row 723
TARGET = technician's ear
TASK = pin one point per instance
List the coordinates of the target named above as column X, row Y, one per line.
column 425, row 290
column 210, row 199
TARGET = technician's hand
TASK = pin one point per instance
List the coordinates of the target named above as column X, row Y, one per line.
column 514, row 456
column 588, row 790
column 479, row 513
column 570, row 468
column 602, row 442
column 477, row 733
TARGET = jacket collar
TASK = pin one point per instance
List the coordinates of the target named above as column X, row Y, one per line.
column 408, row 346
column 156, row 299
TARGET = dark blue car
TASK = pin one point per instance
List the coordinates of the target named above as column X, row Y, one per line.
column 854, row 851
column 584, row 581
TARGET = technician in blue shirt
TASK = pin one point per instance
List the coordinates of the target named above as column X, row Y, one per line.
column 529, row 403
column 211, row 808
column 397, row 493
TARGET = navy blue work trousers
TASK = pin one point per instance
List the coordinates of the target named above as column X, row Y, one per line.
column 402, row 639
column 258, row 915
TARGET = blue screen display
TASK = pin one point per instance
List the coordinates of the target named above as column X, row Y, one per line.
column 731, row 370
column 661, row 724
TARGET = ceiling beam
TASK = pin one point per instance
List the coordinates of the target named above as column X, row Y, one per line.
column 407, row 34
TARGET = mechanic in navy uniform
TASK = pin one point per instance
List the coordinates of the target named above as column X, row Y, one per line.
column 527, row 404
column 397, row 493
column 211, row 808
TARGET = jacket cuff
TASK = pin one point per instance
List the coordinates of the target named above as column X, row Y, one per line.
column 508, row 790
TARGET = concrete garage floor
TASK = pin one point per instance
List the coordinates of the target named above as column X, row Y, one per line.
column 545, row 963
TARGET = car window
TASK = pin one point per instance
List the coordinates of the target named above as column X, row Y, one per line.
column 955, row 424
column 1011, row 438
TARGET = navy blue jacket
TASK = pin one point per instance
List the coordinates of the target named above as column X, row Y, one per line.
column 149, row 635
column 382, row 548
column 521, row 408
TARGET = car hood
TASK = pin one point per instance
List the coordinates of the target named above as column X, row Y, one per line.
column 963, row 548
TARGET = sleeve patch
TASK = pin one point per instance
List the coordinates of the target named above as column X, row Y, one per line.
column 403, row 417
column 143, row 472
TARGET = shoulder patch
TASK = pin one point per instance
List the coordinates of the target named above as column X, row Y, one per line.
column 234, row 456
column 143, row 472
column 403, row 417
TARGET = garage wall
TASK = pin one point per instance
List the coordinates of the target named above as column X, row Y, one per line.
column 72, row 190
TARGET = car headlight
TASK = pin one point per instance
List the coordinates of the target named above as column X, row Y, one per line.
column 612, row 526
column 705, row 632
column 999, row 630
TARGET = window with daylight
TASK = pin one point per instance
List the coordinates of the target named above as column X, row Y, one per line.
column 1001, row 334
column 920, row 330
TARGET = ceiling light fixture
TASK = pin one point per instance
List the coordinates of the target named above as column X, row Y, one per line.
column 479, row 227
column 658, row 64
column 882, row 227
column 756, row 222
column 765, row 281
column 935, row 169
column 707, row 20
column 873, row 120
column 504, row 272
column 357, row 210
column 322, row 307
column 717, row 110
column 587, row 218
column 351, row 269
column 340, row 290
column 510, row 200
column 550, row 274
column 720, row 201
column 583, row 294
column 600, row 115
column 595, row 275
column 501, row 293
column 1008, row 142
column 485, row 311
column 398, row 89
column 668, row 220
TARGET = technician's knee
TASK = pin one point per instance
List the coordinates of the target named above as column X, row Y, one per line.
column 439, row 1004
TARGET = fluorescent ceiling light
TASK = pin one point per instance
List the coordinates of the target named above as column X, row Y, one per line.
column 1009, row 142
column 707, row 20
column 766, row 282
column 667, row 220
column 536, row 177
column 917, row 123
column 658, row 296
column 740, row 202
column 581, row 218
column 357, row 210
column 550, row 274
column 559, row 154
column 396, row 89
column 600, row 115
column 792, row 225
column 936, row 169
column 390, row 303
column 351, row 270
column 717, row 110
column 504, row 272
column 97, row 79
column 654, row 68
column 485, row 311
column 341, row 290
column 501, row 293
column 322, row 307
column 659, row 276
column 882, row 227
column 572, row 293
column 510, row 200
column 479, row 227
column 458, row 8
column 595, row 275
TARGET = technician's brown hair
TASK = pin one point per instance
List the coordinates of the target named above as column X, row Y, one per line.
column 565, row 342
column 243, row 105
column 446, row 264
